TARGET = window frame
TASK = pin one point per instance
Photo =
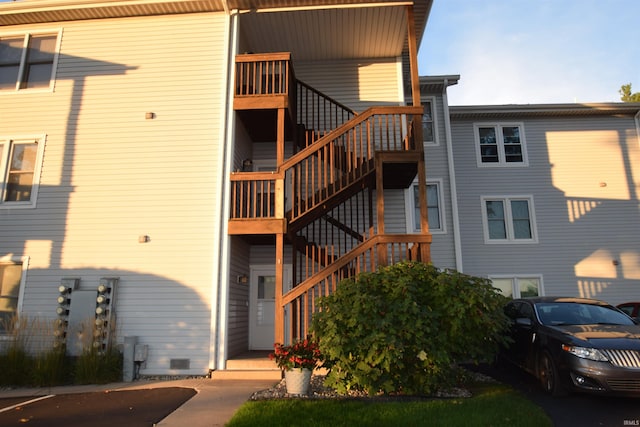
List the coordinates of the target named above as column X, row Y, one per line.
column 24, row 261
column 509, row 229
column 410, row 208
column 434, row 121
column 8, row 142
column 26, row 35
column 515, row 280
column 501, row 163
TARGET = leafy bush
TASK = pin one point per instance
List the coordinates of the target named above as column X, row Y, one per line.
column 404, row 328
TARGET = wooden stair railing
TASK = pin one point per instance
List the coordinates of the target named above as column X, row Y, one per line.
column 318, row 114
column 345, row 156
column 337, row 231
column 379, row 250
column 334, row 163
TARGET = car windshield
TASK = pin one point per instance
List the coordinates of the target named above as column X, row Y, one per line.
column 571, row 313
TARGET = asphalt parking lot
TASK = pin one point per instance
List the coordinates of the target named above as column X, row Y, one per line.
column 128, row 408
column 148, row 406
column 573, row 410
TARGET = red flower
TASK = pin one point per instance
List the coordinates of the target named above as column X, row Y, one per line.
column 301, row 354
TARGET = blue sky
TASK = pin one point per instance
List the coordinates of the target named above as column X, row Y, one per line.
column 528, row 52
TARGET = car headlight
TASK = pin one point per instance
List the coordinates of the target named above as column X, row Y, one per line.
column 586, row 353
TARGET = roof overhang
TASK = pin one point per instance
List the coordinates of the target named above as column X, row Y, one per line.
column 437, row 84
column 374, row 28
column 626, row 109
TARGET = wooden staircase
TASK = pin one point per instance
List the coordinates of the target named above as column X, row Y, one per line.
column 335, row 224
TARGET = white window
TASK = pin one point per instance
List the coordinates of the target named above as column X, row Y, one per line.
column 501, row 144
column 28, row 60
column 435, row 210
column 12, row 278
column 508, row 219
column 20, row 160
column 518, row 286
column 429, row 136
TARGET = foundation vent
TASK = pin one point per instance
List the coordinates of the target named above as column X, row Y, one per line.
column 179, row 363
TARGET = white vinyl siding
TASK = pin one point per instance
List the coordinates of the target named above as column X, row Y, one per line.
column 437, row 167
column 582, row 226
column 238, row 320
column 358, row 84
column 110, row 175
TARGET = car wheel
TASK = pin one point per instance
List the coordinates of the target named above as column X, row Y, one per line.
column 548, row 375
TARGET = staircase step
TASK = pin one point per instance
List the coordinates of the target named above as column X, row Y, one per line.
column 252, row 361
column 237, row 374
column 259, row 364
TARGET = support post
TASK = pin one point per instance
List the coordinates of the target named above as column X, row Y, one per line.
column 279, row 314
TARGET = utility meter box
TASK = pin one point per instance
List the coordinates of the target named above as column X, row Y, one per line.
column 140, row 353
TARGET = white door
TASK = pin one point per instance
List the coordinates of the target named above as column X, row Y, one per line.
column 262, row 307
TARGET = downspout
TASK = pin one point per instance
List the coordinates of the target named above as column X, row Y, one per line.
column 220, row 288
column 452, row 179
column 637, row 117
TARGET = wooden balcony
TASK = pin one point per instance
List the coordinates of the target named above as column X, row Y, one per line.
column 264, row 84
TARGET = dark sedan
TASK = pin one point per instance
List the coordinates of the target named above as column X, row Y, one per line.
column 632, row 309
column 575, row 344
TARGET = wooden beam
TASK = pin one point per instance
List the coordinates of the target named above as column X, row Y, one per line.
column 257, row 226
column 280, row 137
column 380, row 194
column 413, row 57
column 279, row 314
column 260, row 102
column 422, row 197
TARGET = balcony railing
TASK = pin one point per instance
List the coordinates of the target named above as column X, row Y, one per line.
column 378, row 251
column 264, row 74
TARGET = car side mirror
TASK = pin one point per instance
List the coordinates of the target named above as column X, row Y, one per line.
column 524, row 321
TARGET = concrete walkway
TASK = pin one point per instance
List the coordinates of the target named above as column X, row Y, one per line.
column 214, row 404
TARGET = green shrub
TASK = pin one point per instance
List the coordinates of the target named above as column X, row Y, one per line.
column 15, row 362
column 95, row 366
column 34, row 354
column 50, row 368
column 404, row 328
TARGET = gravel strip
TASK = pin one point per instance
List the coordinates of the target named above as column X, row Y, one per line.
column 317, row 390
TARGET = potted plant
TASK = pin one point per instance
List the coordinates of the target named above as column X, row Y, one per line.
column 297, row 361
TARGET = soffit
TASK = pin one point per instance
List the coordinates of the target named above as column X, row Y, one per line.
column 40, row 11
column 326, row 29
column 316, row 35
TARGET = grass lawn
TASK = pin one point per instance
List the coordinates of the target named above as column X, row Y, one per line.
column 491, row 405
